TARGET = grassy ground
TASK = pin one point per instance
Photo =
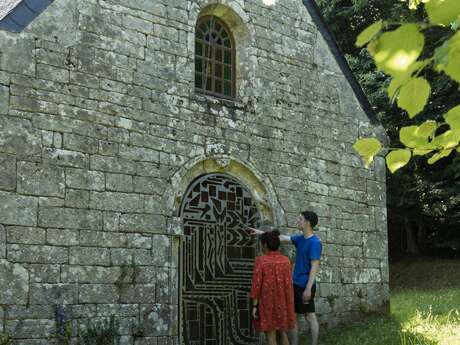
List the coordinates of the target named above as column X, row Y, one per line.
column 425, row 309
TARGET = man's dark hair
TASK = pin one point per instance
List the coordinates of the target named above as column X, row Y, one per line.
column 271, row 239
column 311, row 217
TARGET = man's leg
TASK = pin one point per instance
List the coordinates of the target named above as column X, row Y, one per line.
column 314, row 327
column 294, row 334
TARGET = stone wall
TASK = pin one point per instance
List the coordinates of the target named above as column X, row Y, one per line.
column 98, row 114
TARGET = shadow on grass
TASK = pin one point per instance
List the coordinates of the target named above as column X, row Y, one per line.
column 375, row 329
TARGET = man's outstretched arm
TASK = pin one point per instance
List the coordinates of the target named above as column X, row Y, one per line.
column 256, row 232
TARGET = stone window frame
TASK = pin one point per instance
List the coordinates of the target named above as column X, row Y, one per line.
column 211, row 20
column 238, row 21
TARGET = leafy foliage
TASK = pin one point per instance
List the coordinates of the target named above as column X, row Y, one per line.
column 422, row 192
column 103, row 332
column 5, row 339
column 396, row 52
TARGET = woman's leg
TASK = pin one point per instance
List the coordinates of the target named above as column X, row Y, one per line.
column 284, row 338
column 271, row 337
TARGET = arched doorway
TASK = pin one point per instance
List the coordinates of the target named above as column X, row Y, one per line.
column 217, row 259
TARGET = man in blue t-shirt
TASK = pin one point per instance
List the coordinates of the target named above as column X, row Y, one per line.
column 308, row 253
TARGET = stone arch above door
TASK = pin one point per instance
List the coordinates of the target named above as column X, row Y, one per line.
column 260, row 187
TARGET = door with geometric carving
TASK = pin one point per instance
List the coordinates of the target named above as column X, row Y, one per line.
column 217, row 260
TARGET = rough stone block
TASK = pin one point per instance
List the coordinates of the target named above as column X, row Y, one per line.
column 139, row 241
column 119, row 182
column 14, row 283
column 50, row 202
column 157, row 319
column 111, row 164
column 80, row 143
column 53, row 294
column 62, row 237
column 26, row 235
column 118, row 309
column 345, row 237
column 57, row 217
column 7, row 172
column 37, row 254
column 111, row 221
column 113, row 201
column 20, row 312
column 96, row 293
column 40, row 179
column 43, row 273
column 84, row 179
column 83, row 310
column 89, row 274
column 77, row 198
column 150, row 223
column 18, row 210
column 30, row 328
column 89, row 256
column 139, row 293
column 22, row 63
column 123, row 256
column 375, row 245
column 17, row 136
column 93, row 238
column 65, row 158
column 2, row 242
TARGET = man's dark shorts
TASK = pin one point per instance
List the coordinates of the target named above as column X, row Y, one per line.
column 300, row 306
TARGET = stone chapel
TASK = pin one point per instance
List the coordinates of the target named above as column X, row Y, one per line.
column 138, row 138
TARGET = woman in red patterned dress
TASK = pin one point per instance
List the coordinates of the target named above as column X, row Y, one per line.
column 271, row 292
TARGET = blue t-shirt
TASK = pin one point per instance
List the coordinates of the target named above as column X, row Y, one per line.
column 307, row 249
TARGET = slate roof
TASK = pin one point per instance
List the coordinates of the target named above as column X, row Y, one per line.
column 15, row 15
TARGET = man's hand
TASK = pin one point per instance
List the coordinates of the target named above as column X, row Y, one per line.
column 306, row 295
column 254, row 231
column 255, row 313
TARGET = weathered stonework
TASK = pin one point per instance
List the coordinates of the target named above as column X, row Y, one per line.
column 101, row 132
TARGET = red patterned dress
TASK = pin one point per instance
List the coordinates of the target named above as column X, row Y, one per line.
column 272, row 286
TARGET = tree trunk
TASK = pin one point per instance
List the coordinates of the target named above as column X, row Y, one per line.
column 411, row 237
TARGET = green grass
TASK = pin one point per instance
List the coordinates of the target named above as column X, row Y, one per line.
column 425, row 309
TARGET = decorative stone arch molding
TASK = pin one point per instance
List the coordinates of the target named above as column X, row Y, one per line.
column 231, row 13
column 260, row 187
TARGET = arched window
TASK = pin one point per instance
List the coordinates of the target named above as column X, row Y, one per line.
column 214, row 58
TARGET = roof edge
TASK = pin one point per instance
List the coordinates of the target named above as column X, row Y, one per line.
column 320, row 22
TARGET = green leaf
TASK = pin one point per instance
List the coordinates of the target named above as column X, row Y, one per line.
column 439, row 155
column 367, row 148
column 427, row 129
column 417, row 136
column 453, row 67
column 395, row 51
column 449, row 65
column 369, row 33
column 414, row 95
column 453, row 118
column 424, row 149
column 447, row 140
column 441, row 54
column 397, row 159
column 442, row 12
